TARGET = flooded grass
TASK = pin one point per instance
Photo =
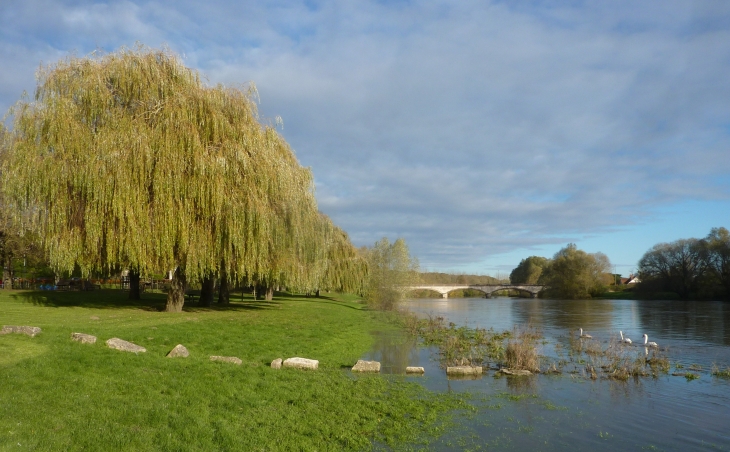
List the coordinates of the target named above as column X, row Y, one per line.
column 521, row 351
column 458, row 346
column 616, row 360
column 717, row 371
column 608, row 387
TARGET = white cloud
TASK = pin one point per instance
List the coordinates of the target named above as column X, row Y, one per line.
column 469, row 128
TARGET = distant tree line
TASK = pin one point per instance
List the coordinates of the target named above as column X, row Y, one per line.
column 456, row 278
column 688, row 268
column 570, row 274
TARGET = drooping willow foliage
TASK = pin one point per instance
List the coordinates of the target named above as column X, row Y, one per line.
column 342, row 268
column 128, row 159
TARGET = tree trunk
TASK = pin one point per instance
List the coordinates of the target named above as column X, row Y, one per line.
column 269, row 293
column 316, row 294
column 224, row 292
column 206, row 291
column 134, row 293
column 176, row 294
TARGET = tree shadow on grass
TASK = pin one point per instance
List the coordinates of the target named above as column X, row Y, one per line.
column 305, row 299
column 119, row 299
column 246, row 305
column 331, row 300
column 97, row 299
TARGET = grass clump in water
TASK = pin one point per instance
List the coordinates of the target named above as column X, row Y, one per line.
column 717, row 371
column 521, row 351
column 458, row 346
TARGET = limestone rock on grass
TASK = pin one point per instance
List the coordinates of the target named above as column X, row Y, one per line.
column 301, row 363
column 415, row 370
column 120, row 344
column 31, row 331
column 227, row 359
column 464, row 370
column 366, row 366
column 179, row 352
column 276, row 364
column 83, row 338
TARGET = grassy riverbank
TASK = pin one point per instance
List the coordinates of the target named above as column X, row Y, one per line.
column 56, row 394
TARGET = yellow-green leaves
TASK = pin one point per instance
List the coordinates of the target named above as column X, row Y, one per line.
column 128, row 159
column 391, row 270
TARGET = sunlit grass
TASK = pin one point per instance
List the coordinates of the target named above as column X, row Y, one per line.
column 57, row 394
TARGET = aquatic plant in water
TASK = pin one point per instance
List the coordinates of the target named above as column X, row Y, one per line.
column 458, row 345
column 719, row 372
column 521, row 352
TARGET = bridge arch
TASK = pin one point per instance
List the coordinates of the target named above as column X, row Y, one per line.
column 487, row 289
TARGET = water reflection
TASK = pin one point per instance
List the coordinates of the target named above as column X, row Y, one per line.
column 553, row 412
column 521, row 385
column 570, row 314
column 697, row 321
column 703, row 322
column 394, row 351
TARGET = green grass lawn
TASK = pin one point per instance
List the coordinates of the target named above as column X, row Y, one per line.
column 57, row 394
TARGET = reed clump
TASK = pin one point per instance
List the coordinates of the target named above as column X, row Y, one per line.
column 717, row 371
column 592, row 347
column 616, row 361
column 521, row 352
column 659, row 362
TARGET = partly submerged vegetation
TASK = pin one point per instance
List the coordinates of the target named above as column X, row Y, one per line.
column 458, row 346
column 722, row 372
column 520, row 348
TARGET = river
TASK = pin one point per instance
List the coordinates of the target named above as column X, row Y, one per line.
column 571, row 410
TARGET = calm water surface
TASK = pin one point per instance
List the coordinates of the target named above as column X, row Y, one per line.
column 553, row 413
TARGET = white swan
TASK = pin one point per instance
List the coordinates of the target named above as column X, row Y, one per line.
column 647, row 343
column 585, row 336
column 626, row 340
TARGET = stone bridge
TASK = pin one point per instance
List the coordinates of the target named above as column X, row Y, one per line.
column 488, row 289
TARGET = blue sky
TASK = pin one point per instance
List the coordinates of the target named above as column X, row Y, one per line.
column 482, row 132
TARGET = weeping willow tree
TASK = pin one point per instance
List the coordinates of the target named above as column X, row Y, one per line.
column 128, row 159
column 341, row 268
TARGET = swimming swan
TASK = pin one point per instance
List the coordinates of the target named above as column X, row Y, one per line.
column 585, row 336
column 625, row 341
column 649, row 344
